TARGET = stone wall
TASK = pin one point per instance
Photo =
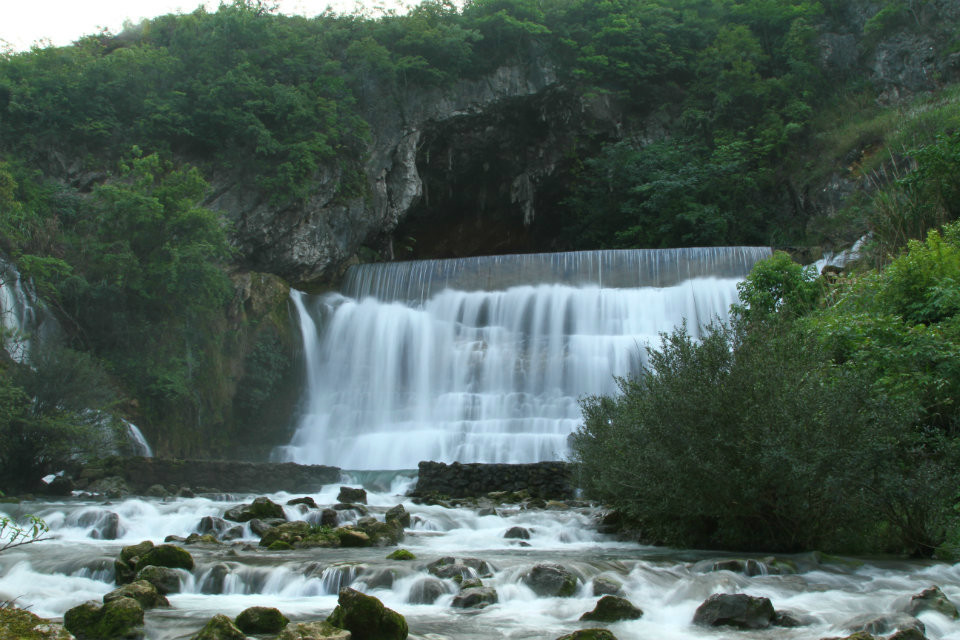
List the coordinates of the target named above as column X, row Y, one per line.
column 218, row 475
column 540, row 479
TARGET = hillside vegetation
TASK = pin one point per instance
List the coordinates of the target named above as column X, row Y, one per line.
column 731, row 126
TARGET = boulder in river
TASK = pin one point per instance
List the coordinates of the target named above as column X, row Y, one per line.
column 352, row 537
column 352, row 495
column 604, row 586
column 517, row 533
column 476, row 598
column 547, row 580
column 399, row 514
column 881, row 624
column 313, row 631
column 261, row 620
column 613, row 609
column 426, row 590
column 401, row 554
column 590, row 634
column 735, row 610
column 166, row 555
column 262, row 508
column 120, row 618
column 932, row 599
column 140, row 590
column 329, row 518
column 305, row 500
column 212, row 524
column 366, row 617
column 220, row 627
column 125, row 566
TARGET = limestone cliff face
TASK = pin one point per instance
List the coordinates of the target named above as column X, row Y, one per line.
column 311, row 243
column 476, row 168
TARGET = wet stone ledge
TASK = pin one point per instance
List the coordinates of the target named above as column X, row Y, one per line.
column 219, row 475
column 548, row 480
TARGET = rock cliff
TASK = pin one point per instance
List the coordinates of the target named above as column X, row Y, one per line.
column 476, row 167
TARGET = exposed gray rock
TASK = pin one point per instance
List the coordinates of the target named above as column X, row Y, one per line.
column 352, row 495
column 549, row 580
column 735, row 610
column 166, row 580
column 932, row 599
column 476, row 598
column 426, row 590
column 603, row 586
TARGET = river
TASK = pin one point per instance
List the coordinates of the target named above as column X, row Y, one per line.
column 72, row 567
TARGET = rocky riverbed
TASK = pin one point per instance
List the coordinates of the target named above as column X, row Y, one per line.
column 504, row 566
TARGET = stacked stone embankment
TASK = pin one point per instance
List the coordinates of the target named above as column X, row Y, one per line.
column 548, row 480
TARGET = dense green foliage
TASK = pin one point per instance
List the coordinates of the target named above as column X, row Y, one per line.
column 823, row 417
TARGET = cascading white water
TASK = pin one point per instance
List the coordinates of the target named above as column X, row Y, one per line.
column 17, row 315
column 485, row 359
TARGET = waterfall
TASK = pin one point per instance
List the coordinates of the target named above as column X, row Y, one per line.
column 136, row 441
column 17, row 315
column 485, row 359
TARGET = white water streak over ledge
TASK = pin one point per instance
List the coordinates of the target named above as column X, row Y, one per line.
column 453, row 360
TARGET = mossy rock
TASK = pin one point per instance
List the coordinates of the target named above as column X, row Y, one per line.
column 261, row 620
column 280, row 545
column 383, row 533
column 167, row 555
column 312, row 631
column 351, row 537
column 133, row 551
column 165, row 579
column 220, row 627
column 401, row 554
column 322, row 536
column 288, row 532
column 589, row 634
column 20, row 624
column 140, row 590
column 398, row 513
column 366, row 617
column 613, row 609
column 120, row 618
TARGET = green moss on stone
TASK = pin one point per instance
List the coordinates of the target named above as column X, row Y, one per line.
column 220, row 627
column 401, row 554
column 279, row 545
column 167, row 555
column 20, row 624
column 261, row 620
column 366, row 617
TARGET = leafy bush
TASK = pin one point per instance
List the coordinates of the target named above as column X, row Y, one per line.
column 796, row 427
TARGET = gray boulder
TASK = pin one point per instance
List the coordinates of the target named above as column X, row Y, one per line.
column 352, row 495
column 932, row 599
column 613, row 609
column 735, row 610
column 165, row 580
column 427, row 590
column 476, row 598
column 547, row 580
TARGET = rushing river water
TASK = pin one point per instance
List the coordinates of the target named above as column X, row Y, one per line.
column 54, row 575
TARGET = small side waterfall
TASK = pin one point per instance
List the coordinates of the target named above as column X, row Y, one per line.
column 485, row 359
column 18, row 318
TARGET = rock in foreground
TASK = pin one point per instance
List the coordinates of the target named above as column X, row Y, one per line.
column 120, row 618
column 366, row 617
